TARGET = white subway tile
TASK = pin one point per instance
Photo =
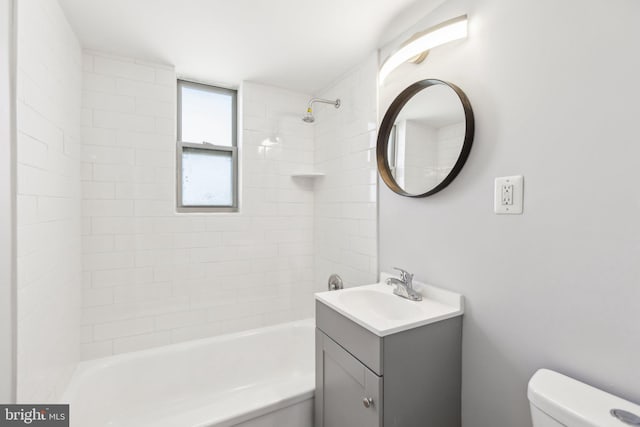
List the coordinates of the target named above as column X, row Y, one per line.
column 107, row 261
column 97, row 297
column 108, row 102
column 107, row 155
column 86, row 117
column 48, row 79
column 98, row 83
column 166, row 77
column 141, row 342
column 133, row 310
column 148, row 107
column 288, row 249
column 94, row 350
column 115, row 68
column 113, row 173
column 33, row 124
column 34, row 181
column 242, row 238
column 359, row 210
column 155, row 158
column 106, row 225
column 368, row 229
column 87, row 62
column 149, row 141
column 31, row 152
column 180, row 319
column 86, row 334
column 123, row 328
column 215, row 254
column 85, row 226
column 56, row 209
column 96, row 136
column 196, row 332
column 156, row 257
column 141, row 293
column 143, row 191
column 151, row 208
column 177, row 274
column 98, row 190
column 107, row 208
column 116, row 277
column 96, row 244
column 145, row 90
column 123, row 121
column 27, row 207
column 197, row 240
column 165, row 126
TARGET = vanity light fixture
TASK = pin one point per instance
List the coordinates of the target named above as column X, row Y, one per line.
column 416, row 48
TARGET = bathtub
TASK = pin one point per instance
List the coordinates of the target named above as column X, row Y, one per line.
column 258, row 378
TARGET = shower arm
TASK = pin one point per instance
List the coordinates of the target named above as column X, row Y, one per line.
column 335, row 103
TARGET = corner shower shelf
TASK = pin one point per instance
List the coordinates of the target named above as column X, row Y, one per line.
column 307, row 175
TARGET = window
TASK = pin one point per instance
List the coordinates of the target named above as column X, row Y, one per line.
column 207, row 176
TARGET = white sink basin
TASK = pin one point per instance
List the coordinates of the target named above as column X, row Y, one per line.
column 377, row 309
column 378, row 304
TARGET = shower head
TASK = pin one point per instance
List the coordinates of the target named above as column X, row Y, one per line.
column 308, row 117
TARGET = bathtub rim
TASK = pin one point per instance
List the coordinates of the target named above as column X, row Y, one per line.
column 263, row 410
column 88, row 367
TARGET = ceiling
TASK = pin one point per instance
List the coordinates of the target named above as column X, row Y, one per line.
column 297, row 44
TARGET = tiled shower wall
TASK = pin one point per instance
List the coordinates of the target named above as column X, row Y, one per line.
column 48, row 200
column 346, row 198
column 154, row 277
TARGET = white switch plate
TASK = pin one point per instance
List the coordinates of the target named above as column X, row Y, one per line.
column 509, row 195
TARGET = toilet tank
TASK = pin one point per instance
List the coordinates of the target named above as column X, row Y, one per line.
column 557, row 400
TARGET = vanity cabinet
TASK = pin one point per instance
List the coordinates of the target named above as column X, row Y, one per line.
column 410, row 378
column 353, row 391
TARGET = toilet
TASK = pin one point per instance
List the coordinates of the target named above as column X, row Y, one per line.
column 557, row 400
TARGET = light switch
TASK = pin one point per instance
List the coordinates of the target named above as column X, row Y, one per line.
column 509, row 195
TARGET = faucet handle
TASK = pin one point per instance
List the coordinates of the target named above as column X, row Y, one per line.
column 404, row 275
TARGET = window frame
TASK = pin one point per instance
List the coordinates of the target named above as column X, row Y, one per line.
column 233, row 149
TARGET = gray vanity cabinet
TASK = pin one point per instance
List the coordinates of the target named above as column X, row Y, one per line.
column 407, row 379
column 346, row 383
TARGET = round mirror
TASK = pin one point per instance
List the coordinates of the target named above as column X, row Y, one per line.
column 425, row 138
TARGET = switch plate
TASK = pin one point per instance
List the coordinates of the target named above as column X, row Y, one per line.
column 509, row 195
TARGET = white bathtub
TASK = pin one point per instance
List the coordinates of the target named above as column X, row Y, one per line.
column 258, row 378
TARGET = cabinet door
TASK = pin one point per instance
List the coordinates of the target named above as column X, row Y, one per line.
column 342, row 386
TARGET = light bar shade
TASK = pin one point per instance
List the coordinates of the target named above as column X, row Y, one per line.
column 448, row 31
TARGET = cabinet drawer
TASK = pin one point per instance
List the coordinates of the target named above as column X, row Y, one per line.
column 362, row 344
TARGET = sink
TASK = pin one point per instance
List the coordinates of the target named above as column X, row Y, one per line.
column 378, row 310
column 379, row 304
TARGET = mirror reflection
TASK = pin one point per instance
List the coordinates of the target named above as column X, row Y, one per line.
column 426, row 139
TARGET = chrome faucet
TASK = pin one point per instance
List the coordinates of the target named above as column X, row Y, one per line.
column 403, row 287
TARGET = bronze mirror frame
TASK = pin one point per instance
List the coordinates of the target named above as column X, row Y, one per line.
column 387, row 125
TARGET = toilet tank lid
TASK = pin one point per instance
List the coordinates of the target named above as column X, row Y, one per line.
column 574, row 403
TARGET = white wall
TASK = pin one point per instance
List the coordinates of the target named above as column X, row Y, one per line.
column 345, row 199
column 48, row 200
column 154, row 277
column 7, row 203
column 554, row 90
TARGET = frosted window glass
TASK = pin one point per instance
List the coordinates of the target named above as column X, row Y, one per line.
column 207, row 177
column 206, row 116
